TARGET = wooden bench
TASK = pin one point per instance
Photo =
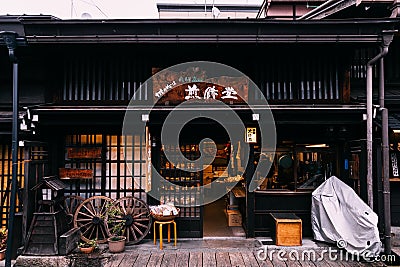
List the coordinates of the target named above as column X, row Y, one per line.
column 288, row 229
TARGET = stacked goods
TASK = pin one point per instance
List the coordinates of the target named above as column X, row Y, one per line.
column 164, row 212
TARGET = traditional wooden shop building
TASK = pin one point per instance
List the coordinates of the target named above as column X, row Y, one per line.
column 78, row 76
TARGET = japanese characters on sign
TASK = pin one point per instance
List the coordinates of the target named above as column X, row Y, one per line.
column 229, row 93
column 193, row 92
column 69, row 173
column 202, row 90
column 173, row 88
column 165, row 90
column 251, row 135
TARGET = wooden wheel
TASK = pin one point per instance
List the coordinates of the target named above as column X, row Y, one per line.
column 90, row 218
column 69, row 205
column 137, row 218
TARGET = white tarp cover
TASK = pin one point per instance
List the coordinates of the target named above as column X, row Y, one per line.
column 339, row 215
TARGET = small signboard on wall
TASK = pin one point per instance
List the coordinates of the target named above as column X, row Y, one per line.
column 251, row 135
column 84, row 153
column 69, row 173
column 394, row 166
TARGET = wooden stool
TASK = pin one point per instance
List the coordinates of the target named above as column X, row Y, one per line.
column 161, row 223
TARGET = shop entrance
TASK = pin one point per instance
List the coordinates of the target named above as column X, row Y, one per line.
column 211, row 220
column 222, row 219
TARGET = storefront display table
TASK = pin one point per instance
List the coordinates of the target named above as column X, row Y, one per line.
column 160, row 226
column 288, row 229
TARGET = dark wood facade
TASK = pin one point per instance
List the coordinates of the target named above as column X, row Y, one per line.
column 78, row 77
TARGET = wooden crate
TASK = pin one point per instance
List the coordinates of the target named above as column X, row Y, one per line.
column 234, row 218
column 288, row 229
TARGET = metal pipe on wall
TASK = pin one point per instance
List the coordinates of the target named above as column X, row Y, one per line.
column 14, row 156
column 386, row 182
column 370, row 64
column 11, row 42
column 386, row 40
column 385, row 159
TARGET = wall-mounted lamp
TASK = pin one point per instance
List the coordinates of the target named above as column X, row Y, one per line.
column 376, row 107
column 343, row 129
column 145, row 117
column 256, row 116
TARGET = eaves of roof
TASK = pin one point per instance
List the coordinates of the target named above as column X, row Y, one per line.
column 206, row 31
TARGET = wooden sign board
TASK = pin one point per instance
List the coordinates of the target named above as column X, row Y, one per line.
column 84, row 153
column 201, row 91
column 68, row 173
column 251, row 135
column 173, row 88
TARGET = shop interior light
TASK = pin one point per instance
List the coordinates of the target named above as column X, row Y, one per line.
column 317, row 145
column 396, row 131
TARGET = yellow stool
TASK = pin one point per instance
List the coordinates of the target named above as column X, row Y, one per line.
column 161, row 223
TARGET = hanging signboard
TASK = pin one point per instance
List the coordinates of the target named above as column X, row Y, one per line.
column 148, row 161
column 251, row 135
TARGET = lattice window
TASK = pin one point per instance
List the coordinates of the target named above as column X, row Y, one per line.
column 300, row 80
column 120, row 172
column 102, row 80
column 5, row 181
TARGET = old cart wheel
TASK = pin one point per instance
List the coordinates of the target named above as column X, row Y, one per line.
column 89, row 217
column 137, row 218
column 69, row 205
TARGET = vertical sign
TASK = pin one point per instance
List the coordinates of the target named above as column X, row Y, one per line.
column 148, row 160
column 395, row 166
column 251, row 135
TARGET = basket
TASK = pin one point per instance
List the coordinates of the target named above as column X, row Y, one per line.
column 159, row 217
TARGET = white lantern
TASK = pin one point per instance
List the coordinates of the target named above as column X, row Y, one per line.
column 46, row 193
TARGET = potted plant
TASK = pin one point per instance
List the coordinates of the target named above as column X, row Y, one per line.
column 88, row 246
column 116, row 227
column 3, row 242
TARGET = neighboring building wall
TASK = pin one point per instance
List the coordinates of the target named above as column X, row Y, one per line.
column 285, row 9
column 198, row 11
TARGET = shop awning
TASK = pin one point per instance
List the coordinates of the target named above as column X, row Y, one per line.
column 205, row 31
column 283, row 114
column 123, row 108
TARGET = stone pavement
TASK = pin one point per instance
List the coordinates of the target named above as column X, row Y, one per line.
column 206, row 252
column 396, row 240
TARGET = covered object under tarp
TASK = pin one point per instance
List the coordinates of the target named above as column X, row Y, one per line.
column 340, row 216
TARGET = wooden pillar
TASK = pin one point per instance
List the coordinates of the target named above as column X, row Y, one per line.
column 250, row 205
column 29, row 206
column 363, row 171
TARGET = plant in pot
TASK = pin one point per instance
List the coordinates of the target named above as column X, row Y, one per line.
column 88, row 246
column 116, row 227
column 3, row 242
